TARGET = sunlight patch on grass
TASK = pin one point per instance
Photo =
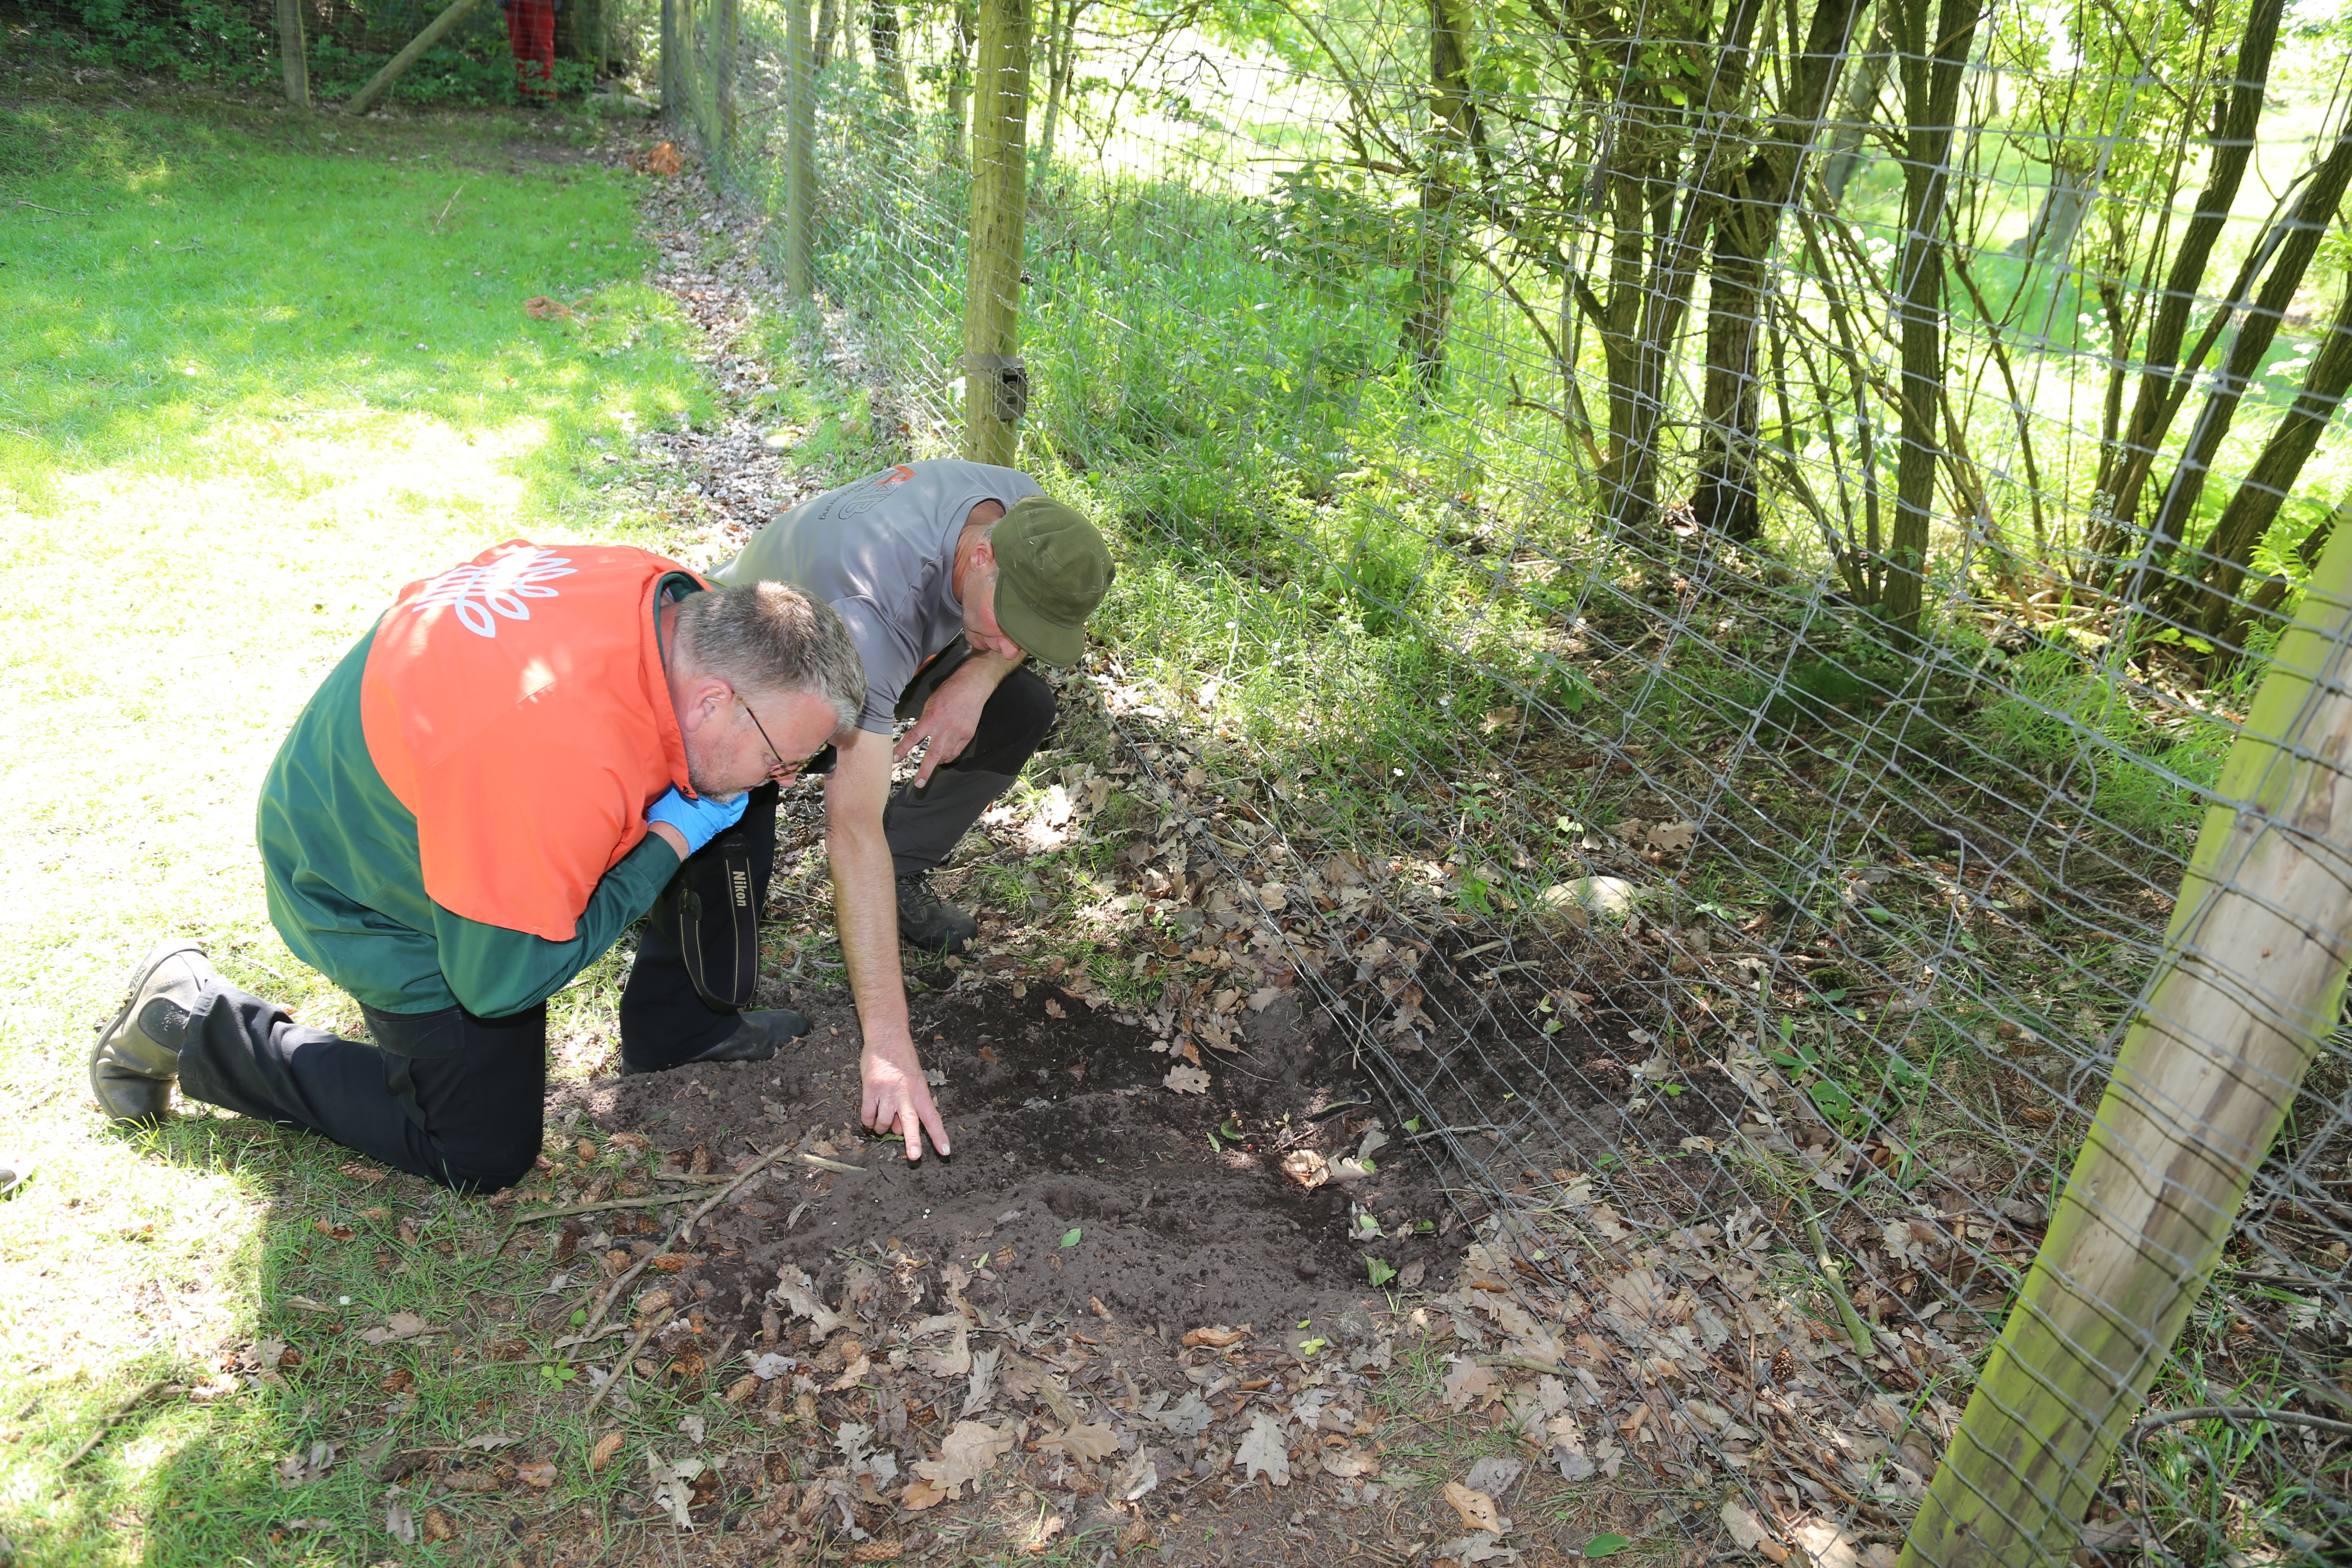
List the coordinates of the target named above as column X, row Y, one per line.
column 187, row 554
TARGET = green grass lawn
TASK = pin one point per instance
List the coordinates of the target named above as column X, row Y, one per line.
column 257, row 372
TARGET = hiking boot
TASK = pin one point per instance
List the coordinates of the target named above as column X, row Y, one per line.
column 138, row 1054
column 926, row 924
column 756, row 1038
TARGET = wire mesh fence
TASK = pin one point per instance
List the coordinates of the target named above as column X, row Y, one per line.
column 1717, row 581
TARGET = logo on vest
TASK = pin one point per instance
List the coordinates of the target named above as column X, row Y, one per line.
column 474, row 591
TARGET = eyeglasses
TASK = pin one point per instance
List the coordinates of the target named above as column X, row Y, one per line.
column 783, row 771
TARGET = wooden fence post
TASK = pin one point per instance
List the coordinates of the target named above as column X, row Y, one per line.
column 672, row 72
column 293, row 54
column 380, row 83
column 799, row 150
column 2250, row 982
column 996, row 383
column 722, row 70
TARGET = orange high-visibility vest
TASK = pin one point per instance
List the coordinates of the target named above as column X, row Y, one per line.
column 517, row 705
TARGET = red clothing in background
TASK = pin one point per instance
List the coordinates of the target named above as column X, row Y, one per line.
column 531, row 29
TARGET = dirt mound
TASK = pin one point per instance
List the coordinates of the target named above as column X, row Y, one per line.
column 1080, row 1185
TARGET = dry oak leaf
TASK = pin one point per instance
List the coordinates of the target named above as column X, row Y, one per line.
column 1264, row 1451
column 1308, row 1168
column 674, row 1262
column 399, row 1326
column 1263, row 997
column 1091, row 1442
column 1748, row 1534
column 921, row 1494
column 1217, row 1338
column 331, row 1231
column 1467, row 1382
column 967, row 1453
column 1673, row 836
column 1183, row 1079
column 602, row 1454
column 673, row 1486
column 1476, row 1509
column 541, row 1475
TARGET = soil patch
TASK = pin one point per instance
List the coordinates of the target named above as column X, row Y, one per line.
column 1080, row 1185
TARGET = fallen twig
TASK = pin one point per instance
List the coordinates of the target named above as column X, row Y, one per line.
column 685, row 1231
column 120, row 1411
column 2154, row 1418
column 537, row 1214
column 39, row 208
column 621, row 1367
column 821, row 1163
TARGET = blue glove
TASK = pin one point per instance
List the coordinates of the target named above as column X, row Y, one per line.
column 700, row 820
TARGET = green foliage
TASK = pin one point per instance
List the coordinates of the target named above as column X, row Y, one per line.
column 2073, row 725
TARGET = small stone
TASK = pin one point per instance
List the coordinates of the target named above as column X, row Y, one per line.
column 1612, row 898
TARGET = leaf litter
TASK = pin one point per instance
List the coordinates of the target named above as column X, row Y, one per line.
column 1619, row 1358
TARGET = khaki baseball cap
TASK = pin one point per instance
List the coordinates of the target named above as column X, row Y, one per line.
column 1052, row 570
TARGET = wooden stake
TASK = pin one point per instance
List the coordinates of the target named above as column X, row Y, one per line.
column 292, row 53
column 996, row 383
column 368, row 97
column 2250, row 982
column 800, row 150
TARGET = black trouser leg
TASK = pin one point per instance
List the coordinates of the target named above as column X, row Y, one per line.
column 699, row 949
column 922, row 826
column 447, row 1096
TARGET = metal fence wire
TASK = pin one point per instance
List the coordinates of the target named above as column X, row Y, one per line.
column 1747, row 593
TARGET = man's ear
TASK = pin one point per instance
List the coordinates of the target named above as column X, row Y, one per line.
column 706, row 698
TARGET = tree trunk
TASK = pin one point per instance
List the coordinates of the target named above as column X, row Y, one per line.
column 1618, row 320
column 996, row 383
column 828, row 19
column 1061, row 66
column 1745, row 232
column 1931, row 66
column 1674, row 276
column 959, row 79
column 2124, row 469
column 1860, row 105
column 293, row 54
column 882, row 36
column 2303, row 229
column 368, row 97
column 799, row 150
column 2256, row 504
column 1443, row 150
column 2250, row 983
column 2066, row 202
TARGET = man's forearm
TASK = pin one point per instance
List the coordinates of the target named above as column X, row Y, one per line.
column 866, row 912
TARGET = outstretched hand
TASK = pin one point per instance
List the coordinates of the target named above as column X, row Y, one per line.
column 899, row 1102
column 948, row 722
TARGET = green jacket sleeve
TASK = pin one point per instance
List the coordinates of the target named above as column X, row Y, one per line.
column 493, row 971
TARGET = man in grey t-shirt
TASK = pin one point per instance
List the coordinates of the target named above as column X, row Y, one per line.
column 949, row 575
